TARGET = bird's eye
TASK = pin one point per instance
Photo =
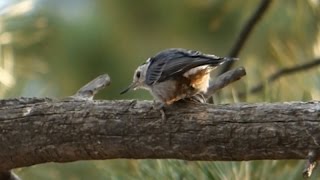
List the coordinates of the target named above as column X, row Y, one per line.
column 138, row 74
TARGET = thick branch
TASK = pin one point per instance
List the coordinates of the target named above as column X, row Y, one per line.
column 245, row 32
column 37, row 130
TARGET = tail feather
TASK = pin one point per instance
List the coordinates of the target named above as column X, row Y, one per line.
column 226, row 59
column 217, row 61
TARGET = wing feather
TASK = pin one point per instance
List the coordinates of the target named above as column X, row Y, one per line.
column 172, row 62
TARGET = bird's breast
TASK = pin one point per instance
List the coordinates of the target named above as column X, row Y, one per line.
column 183, row 86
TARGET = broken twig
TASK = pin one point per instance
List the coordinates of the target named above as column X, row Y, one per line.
column 224, row 80
column 310, row 164
column 89, row 90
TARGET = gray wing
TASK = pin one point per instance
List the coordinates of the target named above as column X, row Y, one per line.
column 174, row 62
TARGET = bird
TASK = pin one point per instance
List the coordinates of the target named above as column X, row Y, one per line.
column 175, row 74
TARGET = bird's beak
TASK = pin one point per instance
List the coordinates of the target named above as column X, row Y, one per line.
column 133, row 85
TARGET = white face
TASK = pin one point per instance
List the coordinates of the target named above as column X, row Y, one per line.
column 139, row 77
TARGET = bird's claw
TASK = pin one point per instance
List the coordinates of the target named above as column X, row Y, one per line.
column 160, row 107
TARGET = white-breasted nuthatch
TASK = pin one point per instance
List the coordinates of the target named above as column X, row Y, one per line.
column 175, row 74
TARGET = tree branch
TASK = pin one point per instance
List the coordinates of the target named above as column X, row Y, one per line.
column 39, row 130
column 245, row 32
column 93, row 87
column 310, row 164
column 283, row 72
column 225, row 79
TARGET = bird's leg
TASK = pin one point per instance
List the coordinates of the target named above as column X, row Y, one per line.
column 159, row 106
column 197, row 98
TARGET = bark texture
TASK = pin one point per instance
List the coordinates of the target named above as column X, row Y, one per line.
column 39, row 130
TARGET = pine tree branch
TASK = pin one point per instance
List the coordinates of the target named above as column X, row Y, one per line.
column 281, row 73
column 245, row 32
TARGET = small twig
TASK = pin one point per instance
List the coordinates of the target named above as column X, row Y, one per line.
column 93, row 87
column 245, row 32
column 224, row 80
column 310, row 164
column 283, row 72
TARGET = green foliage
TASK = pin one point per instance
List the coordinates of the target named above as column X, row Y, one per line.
column 51, row 48
column 167, row 169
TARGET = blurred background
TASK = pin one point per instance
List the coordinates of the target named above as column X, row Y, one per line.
column 52, row 48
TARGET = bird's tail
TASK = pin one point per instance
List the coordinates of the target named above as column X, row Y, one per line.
column 216, row 60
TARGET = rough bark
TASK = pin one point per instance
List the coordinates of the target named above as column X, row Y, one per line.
column 39, row 130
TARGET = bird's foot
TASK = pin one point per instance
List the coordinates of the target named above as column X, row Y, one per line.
column 159, row 106
column 197, row 98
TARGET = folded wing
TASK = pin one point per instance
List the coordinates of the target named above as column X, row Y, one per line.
column 173, row 62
